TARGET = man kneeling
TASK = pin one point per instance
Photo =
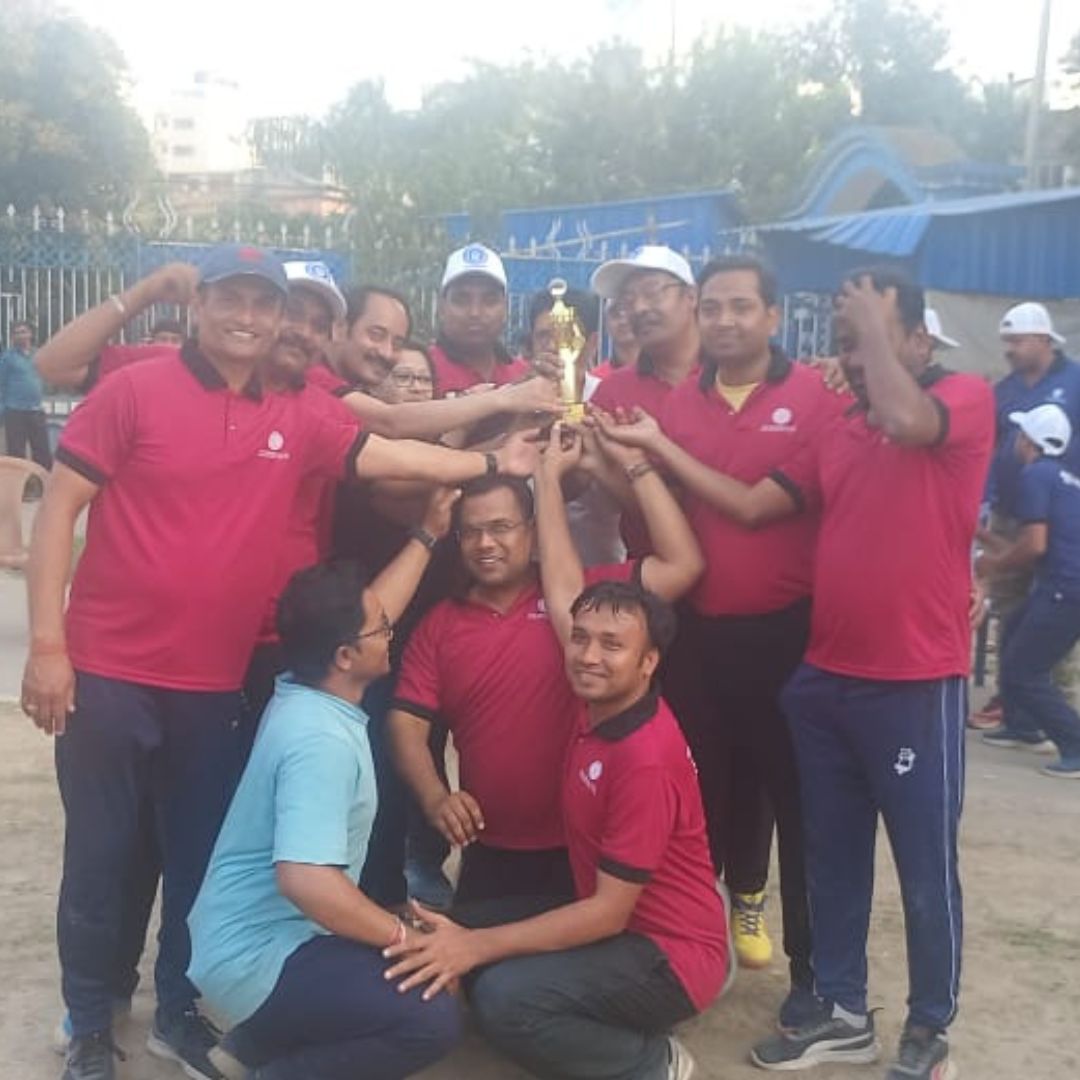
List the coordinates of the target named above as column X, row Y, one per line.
column 593, row 988
column 284, row 945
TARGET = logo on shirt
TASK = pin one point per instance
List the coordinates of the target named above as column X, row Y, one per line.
column 1067, row 477
column 782, row 419
column 274, row 449
column 1058, row 393
column 905, row 761
column 591, row 774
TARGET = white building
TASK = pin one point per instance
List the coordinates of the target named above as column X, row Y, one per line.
column 202, row 128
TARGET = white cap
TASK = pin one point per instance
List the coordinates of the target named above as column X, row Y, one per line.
column 1029, row 318
column 932, row 322
column 1046, row 426
column 317, row 277
column 474, row 259
column 609, row 278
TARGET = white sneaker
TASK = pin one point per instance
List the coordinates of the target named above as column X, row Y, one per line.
column 680, row 1063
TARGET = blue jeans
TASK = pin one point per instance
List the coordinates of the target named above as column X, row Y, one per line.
column 130, row 751
column 332, row 1016
column 601, row 1011
column 866, row 748
column 1042, row 633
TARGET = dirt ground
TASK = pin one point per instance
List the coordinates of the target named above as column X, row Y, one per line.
column 1020, row 1010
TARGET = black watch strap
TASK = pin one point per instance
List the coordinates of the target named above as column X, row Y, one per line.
column 423, row 536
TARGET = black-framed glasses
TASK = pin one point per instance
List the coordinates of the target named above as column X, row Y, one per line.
column 405, row 379
column 497, row 530
column 384, row 629
column 649, row 293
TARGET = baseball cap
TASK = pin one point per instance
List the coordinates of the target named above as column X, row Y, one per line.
column 1029, row 318
column 608, row 278
column 474, row 259
column 241, row 260
column 932, row 322
column 1046, row 426
column 317, row 277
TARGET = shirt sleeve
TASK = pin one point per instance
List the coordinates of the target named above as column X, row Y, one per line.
column 100, row 434
column 315, row 789
column 624, row 571
column 639, row 818
column 418, row 685
column 966, row 403
column 1035, row 492
column 335, row 437
column 800, row 475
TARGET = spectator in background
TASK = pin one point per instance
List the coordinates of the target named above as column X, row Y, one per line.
column 624, row 345
column 21, row 398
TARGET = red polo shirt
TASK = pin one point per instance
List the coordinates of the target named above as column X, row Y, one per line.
column 632, row 808
column 892, row 577
column 454, row 378
column 748, row 571
column 326, row 378
column 197, row 485
column 498, row 682
column 627, row 388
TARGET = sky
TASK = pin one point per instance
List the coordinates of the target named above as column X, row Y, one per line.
column 305, row 58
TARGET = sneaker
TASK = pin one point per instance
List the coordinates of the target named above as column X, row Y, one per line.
column 61, row 1036
column 991, row 715
column 680, row 1063
column 801, row 1007
column 1068, row 768
column 826, row 1039
column 186, row 1038
column 924, row 1055
column 1010, row 739
column 90, row 1057
column 748, row 933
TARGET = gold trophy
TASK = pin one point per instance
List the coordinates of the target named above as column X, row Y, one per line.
column 570, row 341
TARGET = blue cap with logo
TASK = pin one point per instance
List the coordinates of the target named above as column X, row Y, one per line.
column 243, row 260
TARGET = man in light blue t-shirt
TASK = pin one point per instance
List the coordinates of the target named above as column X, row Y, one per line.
column 284, row 945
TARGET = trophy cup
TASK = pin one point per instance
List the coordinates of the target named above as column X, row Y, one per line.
column 570, row 340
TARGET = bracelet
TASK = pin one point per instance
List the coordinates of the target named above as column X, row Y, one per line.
column 118, row 304
column 422, row 536
column 41, row 647
column 491, row 464
column 636, row 472
column 399, row 934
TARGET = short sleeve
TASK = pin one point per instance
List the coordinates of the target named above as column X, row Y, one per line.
column 315, row 788
column 800, row 475
column 334, row 437
column 1035, row 492
column 418, row 685
column 639, row 818
column 100, row 434
column 967, row 408
column 624, row 571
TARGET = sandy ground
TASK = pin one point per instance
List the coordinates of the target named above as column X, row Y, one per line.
column 1021, row 1003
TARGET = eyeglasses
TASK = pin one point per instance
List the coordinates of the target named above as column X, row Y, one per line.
column 384, row 629
column 411, row 378
column 497, row 530
column 649, row 293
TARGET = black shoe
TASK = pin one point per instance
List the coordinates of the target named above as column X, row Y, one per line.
column 90, row 1057
column 186, row 1038
column 924, row 1055
column 825, row 1039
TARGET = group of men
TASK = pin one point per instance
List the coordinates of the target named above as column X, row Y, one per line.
column 278, row 503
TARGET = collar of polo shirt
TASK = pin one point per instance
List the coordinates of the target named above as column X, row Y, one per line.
column 629, row 720
column 208, row 376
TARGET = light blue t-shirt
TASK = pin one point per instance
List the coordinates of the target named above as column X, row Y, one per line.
column 307, row 796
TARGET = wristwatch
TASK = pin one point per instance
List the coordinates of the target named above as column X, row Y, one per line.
column 420, row 534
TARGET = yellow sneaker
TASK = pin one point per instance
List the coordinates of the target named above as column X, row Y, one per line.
column 748, row 933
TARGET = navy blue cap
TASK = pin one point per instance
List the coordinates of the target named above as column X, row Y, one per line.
column 242, row 260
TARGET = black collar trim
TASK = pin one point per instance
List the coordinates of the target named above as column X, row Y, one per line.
column 629, row 720
column 208, row 376
column 779, row 369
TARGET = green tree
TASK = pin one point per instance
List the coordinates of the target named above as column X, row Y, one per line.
column 67, row 135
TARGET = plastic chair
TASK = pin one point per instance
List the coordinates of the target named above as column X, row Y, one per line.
column 15, row 473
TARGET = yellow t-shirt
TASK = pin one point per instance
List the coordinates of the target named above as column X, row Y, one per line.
column 735, row 396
